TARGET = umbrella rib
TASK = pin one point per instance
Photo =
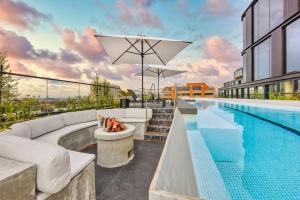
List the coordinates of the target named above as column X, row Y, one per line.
column 148, row 54
column 151, row 47
column 151, row 71
column 133, row 52
column 132, row 45
column 162, row 72
column 124, row 52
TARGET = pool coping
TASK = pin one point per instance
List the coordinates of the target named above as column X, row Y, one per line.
column 272, row 104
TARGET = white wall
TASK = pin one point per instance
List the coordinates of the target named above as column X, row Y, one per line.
column 174, row 177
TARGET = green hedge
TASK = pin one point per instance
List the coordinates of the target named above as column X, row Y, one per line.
column 30, row 108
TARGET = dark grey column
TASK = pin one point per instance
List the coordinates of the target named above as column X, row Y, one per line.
column 277, row 53
column 249, row 66
column 291, row 7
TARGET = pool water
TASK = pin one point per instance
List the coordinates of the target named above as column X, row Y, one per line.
column 256, row 150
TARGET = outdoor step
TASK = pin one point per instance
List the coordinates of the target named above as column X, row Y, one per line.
column 155, row 136
column 163, row 110
column 155, row 133
column 164, row 115
column 159, row 122
column 158, row 128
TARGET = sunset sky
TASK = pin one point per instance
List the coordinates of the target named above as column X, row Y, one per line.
column 55, row 38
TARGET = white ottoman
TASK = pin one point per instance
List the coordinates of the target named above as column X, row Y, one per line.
column 114, row 149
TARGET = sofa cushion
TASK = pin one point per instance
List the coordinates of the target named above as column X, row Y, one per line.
column 54, row 137
column 44, row 125
column 20, row 130
column 116, row 112
column 79, row 161
column 52, row 161
column 138, row 113
column 79, row 117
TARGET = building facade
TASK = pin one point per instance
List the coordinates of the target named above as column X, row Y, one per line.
column 271, row 52
column 190, row 90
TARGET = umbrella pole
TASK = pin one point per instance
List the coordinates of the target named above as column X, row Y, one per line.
column 142, row 73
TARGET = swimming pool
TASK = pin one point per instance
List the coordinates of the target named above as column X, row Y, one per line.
column 256, row 150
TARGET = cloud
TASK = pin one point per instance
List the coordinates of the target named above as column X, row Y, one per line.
column 218, row 7
column 45, row 54
column 210, row 71
column 22, row 54
column 18, row 14
column 69, row 57
column 68, row 62
column 221, row 50
column 14, row 45
column 138, row 13
column 21, row 68
column 85, row 44
column 60, row 69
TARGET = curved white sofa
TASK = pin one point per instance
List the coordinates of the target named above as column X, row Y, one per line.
column 59, row 171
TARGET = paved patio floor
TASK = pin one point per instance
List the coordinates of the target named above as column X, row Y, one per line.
column 132, row 181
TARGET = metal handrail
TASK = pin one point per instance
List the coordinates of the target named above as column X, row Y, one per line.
column 99, row 87
column 54, row 79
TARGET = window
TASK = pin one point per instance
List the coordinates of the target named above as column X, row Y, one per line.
column 246, row 94
column 260, row 92
column 256, row 35
column 262, row 60
column 286, row 88
column 240, row 93
column 251, row 93
column 264, row 17
column 293, row 47
column 272, row 88
column 244, row 33
column 196, row 88
column 276, row 12
column 267, row 15
column 234, row 93
column 238, row 73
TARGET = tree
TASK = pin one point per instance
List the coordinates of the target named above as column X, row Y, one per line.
column 106, row 88
column 95, row 87
column 8, row 85
column 100, row 88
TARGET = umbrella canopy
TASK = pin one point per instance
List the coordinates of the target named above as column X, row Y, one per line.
column 140, row 50
column 159, row 72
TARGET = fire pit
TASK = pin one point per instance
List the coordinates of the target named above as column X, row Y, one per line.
column 114, row 149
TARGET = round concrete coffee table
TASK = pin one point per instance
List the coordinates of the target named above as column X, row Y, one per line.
column 114, row 149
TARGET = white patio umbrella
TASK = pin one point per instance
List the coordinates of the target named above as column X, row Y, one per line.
column 140, row 50
column 159, row 72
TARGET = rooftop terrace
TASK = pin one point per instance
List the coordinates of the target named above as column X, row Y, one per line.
column 131, row 181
